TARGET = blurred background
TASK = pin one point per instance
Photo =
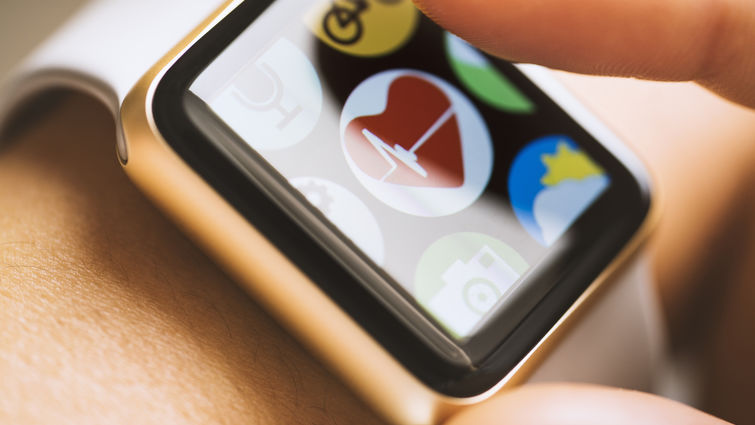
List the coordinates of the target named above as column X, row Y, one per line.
column 26, row 23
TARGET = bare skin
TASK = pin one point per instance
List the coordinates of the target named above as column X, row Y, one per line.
column 574, row 404
column 109, row 315
column 708, row 41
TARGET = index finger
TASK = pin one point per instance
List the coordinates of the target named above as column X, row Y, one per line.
column 710, row 41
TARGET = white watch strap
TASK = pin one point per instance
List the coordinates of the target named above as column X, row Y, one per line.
column 109, row 44
column 620, row 340
column 105, row 48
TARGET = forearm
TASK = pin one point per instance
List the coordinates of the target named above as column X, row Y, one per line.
column 109, row 314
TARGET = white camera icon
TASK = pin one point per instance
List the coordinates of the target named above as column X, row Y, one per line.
column 471, row 290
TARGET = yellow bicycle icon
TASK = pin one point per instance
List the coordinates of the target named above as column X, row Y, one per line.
column 364, row 27
column 343, row 24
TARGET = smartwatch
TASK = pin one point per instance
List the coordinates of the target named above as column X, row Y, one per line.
column 435, row 224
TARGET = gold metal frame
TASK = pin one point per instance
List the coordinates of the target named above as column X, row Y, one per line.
column 284, row 290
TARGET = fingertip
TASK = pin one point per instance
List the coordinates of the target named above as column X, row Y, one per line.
column 644, row 38
column 579, row 404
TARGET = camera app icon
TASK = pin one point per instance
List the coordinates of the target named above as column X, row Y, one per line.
column 476, row 272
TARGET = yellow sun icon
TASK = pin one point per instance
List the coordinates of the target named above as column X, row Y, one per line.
column 567, row 163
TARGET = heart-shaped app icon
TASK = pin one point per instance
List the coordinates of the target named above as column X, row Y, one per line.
column 416, row 143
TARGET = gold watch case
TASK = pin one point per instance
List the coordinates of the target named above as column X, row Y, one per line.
column 285, row 291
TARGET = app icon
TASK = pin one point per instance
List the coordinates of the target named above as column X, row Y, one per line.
column 551, row 183
column 483, row 79
column 346, row 211
column 274, row 101
column 462, row 277
column 364, row 27
column 416, row 143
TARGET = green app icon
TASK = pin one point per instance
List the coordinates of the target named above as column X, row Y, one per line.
column 483, row 79
column 462, row 277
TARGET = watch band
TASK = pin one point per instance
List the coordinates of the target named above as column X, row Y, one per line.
column 109, row 44
column 105, row 48
column 619, row 341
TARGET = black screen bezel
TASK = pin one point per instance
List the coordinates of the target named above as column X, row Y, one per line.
column 612, row 220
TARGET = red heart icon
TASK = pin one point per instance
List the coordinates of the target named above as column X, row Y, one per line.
column 415, row 141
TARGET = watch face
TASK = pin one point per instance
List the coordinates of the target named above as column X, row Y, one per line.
column 434, row 192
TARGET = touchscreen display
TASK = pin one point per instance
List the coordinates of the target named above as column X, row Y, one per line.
column 442, row 165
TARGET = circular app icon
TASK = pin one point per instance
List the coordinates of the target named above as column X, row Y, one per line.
column 483, row 79
column 346, row 211
column 551, row 183
column 364, row 27
column 416, row 143
column 462, row 277
column 274, row 101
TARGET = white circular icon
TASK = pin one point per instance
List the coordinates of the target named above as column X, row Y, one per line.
column 416, row 143
column 346, row 211
column 275, row 101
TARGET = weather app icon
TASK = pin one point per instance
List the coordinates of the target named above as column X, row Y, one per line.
column 551, row 183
